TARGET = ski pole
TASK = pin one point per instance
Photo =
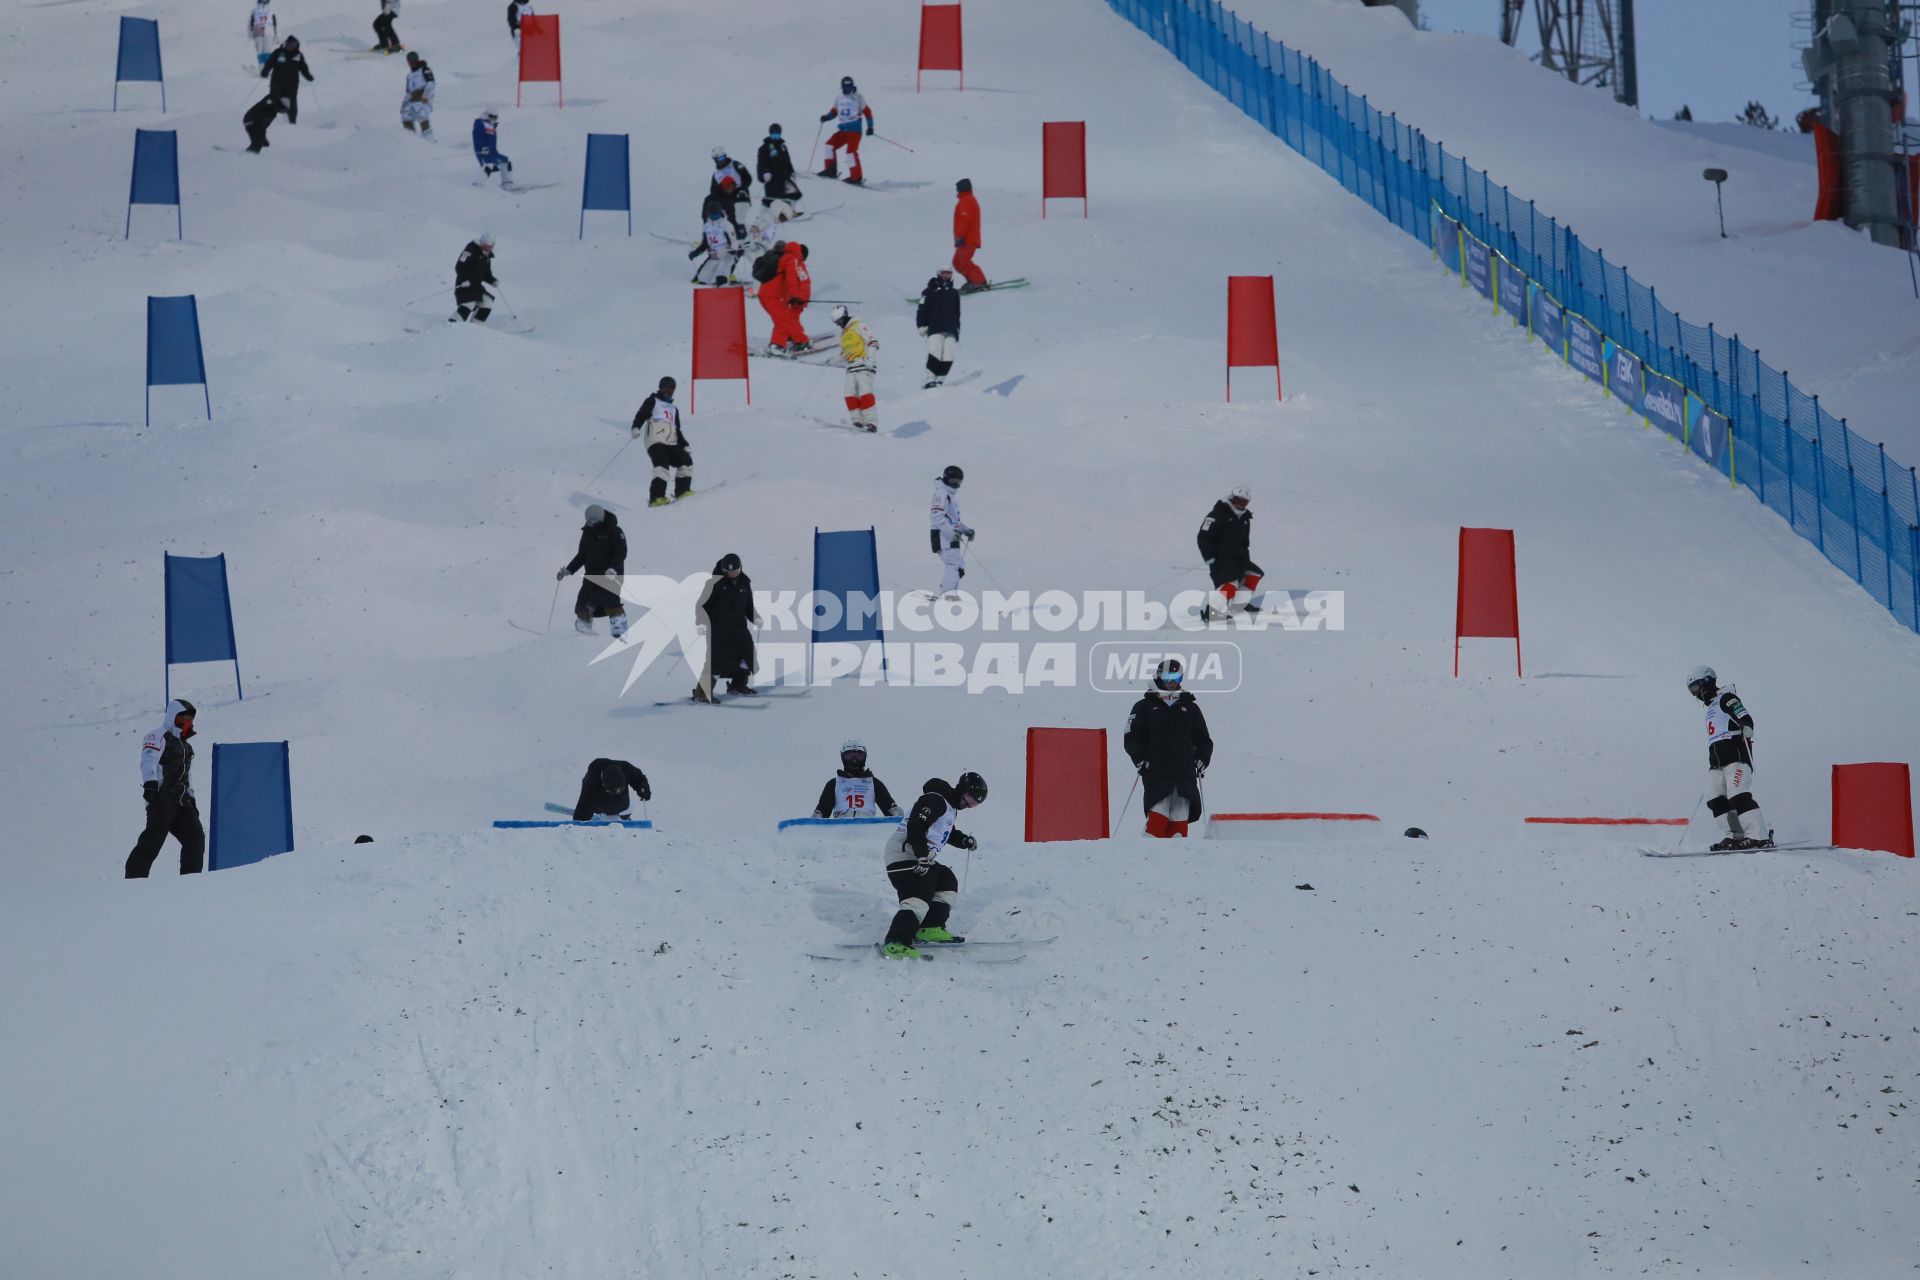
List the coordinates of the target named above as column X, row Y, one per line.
column 966, row 867
column 890, row 142
column 816, row 145
column 417, row 301
column 554, row 606
column 1129, row 800
column 1689, row 826
column 610, row 461
column 975, row 556
column 851, row 302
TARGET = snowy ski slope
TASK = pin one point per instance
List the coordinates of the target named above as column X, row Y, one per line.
column 457, row 1052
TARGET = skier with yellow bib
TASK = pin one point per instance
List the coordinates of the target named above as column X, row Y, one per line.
column 857, row 348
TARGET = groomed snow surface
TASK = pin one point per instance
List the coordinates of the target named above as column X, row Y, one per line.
column 458, row 1052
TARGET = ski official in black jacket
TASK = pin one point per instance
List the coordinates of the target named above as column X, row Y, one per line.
column 284, row 69
column 726, row 610
column 1168, row 742
column 604, row 791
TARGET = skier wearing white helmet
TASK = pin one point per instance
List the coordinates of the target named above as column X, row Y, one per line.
column 1226, row 538
column 853, row 791
column 472, row 273
column 730, row 188
column 1730, row 764
column 857, row 348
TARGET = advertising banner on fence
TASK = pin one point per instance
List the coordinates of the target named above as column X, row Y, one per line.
column 1623, row 373
column 1446, row 240
column 1583, row 349
column 1547, row 319
column 1479, row 266
column 1665, row 403
column 1709, row 435
column 1513, row 291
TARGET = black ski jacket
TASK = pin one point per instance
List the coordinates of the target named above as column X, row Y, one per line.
column 595, row 799
column 1169, row 736
column 939, row 310
column 473, row 268
column 936, row 798
column 727, row 606
column 1226, row 534
column 283, row 72
column 603, row 548
column 774, row 165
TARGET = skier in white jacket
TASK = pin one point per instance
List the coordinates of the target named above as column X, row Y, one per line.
column 949, row 532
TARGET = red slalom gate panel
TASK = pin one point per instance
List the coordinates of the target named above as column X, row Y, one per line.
column 1873, row 807
column 940, row 43
column 1253, row 339
column 540, row 52
column 1066, row 784
column 1063, row 163
column 1487, row 602
column 719, row 338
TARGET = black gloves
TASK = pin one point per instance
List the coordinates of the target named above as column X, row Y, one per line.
column 151, row 790
column 644, row 790
column 826, row 117
column 1140, row 767
column 869, row 128
column 961, row 840
column 697, row 251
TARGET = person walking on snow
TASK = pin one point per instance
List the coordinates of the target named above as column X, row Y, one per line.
column 926, row 886
column 966, row 236
column 779, row 193
column 726, row 616
column 388, row 40
column 938, row 318
column 472, row 273
column 1226, row 539
column 1168, row 742
column 857, row 348
column 603, row 554
column 847, row 113
column 785, row 301
column 486, row 149
column 721, row 247
column 1730, row 764
column 732, row 187
column 950, row 532
column 659, row 420
column 283, row 71
column 604, row 790
column 265, row 29
column 516, row 9
column 416, row 107
column 853, row 792
column 166, row 763
column 258, row 117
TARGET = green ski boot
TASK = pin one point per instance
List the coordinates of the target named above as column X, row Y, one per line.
column 899, row 951
column 937, row 934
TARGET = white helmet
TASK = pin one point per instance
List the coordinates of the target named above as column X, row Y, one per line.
column 839, row 315
column 493, row 117
column 1242, row 492
column 719, row 154
column 484, row 239
column 1701, row 677
column 853, row 744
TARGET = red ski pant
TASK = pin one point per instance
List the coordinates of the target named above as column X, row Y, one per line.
column 963, row 263
column 850, row 139
column 786, row 319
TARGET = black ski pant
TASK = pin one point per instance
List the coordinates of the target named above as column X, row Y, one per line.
column 383, row 28
column 669, row 458
column 182, row 822
column 926, row 898
column 472, row 300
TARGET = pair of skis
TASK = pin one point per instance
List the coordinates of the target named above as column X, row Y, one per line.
column 1002, row 951
column 1018, row 282
column 1722, row 853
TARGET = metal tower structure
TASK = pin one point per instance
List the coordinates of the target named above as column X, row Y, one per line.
column 1588, row 41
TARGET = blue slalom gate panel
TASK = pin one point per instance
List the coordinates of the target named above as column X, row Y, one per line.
column 174, row 355
column 252, row 804
column 608, row 185
column 522, row 824
column 789, row 823
column 139, row 57
column 199, row 615
column 156, row 175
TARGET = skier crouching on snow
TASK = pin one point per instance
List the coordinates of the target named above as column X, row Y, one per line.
column 1168, row 742
column 603, row 554
column 472, row 272
column 927, row 887
column 1226, row 540
column 604, row 790
column 1730, row 764
column 166, row 763
column 853, row 792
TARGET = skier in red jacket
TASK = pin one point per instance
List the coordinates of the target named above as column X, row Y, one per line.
column 790, row 291
column 966, row 236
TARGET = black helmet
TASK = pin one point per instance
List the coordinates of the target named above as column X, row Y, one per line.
column 773, row 130
column 612, row 777
column 728, row 563
column 1415, row 833
column 971, row 785
column 668, row 384
column 291, row 42
column 952, row 477
column 846, row 84
column 963, row 186
column 1169, row 675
